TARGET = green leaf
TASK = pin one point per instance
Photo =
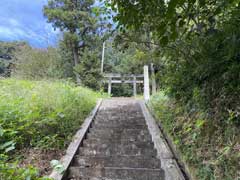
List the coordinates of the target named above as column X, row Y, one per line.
column 28, row 177
column 188, row 129
column 164, row 40
column 171, row 8
column 199, row 123
column 181, row 23
column 202, row 3
column 57, row 166
column 10, row 148
column 5, row 145
column 1, row 131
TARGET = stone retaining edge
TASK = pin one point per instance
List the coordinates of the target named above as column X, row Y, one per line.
column 164, row 151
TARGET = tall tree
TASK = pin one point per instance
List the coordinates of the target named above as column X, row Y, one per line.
column 7, row 52
column 197, row 42
column 76, row 18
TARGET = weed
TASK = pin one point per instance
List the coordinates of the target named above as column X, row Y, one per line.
column 209, row 148
column 38, row 114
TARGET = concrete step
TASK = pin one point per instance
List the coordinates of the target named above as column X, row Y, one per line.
column 116, row 111
column 117, row 161
column 110, row 173
column 127, row 132
column 116, row 151
column 116, row 141
column 119, row 126
column 115, row 128
column 119, row 137
column 122, row 109
column 121, row 121
column 116, row 144
column 123, row 117
column 99, row 142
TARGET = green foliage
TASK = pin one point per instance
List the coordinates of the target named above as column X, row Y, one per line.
column 127, row 57
column 7, row 50
column 123, row 61
column 57, row 166
column 121, row 90
column 129, row 61
column 89, row 69
column 204, row 71
column 37, row 113
column 40, row 114
column 197, row 50
column 13, row 172
column 10, row 171
column 81, row 25
column 210, row 149
column 38, row 64
column 70, row 15
column 170, row 20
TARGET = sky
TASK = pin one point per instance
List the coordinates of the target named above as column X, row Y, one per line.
column 23, row 20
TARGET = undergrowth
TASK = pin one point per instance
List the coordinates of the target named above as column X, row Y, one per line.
column 210, row 148
column 38, row 114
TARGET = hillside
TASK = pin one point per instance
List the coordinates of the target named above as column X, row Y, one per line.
column 37, row 121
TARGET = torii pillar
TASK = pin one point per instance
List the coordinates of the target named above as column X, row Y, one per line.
column 146, row 84
column 109, row 86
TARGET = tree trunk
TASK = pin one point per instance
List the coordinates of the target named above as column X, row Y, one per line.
column 76, row 61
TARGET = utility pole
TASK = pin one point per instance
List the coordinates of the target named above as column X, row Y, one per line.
column 103, row 54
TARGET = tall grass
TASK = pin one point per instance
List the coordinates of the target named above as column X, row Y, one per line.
column 41, row 114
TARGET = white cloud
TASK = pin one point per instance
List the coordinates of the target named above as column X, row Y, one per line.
column 13, row 22
column 24, row 21
column 12, row 33
column 49, row 28
column 17, row 31
column 20, row 33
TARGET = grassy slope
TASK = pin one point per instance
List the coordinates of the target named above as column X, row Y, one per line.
column 211, row 149
column 40, row 114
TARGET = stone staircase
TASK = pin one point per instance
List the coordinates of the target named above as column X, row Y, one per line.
column 117, row 147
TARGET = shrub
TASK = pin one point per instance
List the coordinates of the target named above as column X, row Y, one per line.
column 36, row 64
column 40, row 114
column 210, row 149
column 89, row 70
column 37, row 113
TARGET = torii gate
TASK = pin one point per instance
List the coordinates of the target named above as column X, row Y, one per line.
column 130, row 79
